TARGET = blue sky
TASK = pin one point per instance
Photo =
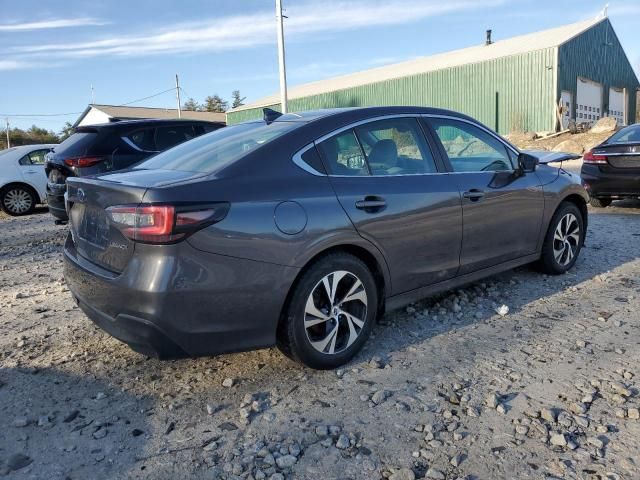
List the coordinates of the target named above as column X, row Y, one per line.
column 54, row 51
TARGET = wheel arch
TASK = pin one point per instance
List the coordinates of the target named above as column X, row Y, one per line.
column 581, row 203
column 22, row 184
column 371, row 260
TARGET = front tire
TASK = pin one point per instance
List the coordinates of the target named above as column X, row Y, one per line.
column 600, row 202
column 17, row 200
column 331, row 312
column 564, row 240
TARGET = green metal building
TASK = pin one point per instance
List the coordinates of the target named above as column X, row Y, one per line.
column 512, row 84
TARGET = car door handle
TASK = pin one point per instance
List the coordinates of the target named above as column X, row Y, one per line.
column 371, row 204
column 474, row 194
column 30, row 171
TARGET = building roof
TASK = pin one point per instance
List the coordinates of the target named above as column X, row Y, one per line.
column 502, row 48
column 132, row 113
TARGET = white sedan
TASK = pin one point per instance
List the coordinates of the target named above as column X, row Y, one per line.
column 22, row 179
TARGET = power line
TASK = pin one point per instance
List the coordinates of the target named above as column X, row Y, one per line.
column 146, row 98
column 41, row 115
column 38, row 114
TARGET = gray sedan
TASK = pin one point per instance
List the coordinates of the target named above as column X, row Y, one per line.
column 300, row 230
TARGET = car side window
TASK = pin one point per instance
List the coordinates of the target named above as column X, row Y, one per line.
column 143, row 139
column 395, row 147
column 342, row 155
column 37, row 157
column 34, row 158
column 471, row 149
column 170, row 136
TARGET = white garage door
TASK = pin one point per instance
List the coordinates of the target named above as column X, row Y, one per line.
column 616, row 104
column 588, row 101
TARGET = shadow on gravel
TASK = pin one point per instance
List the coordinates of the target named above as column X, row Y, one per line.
column 57, row 426
column 598, row 257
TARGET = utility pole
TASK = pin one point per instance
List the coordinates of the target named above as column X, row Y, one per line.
column 93, row 95
column 283, row 70
column 178, row 97
column 8, row 137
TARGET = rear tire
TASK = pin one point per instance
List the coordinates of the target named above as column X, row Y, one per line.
column 324, row 332
column 600, row 202
column 17, row 200
column 563, row 241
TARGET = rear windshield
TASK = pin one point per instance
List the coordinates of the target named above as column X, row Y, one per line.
column 76, row 144
column 214, row 151
column 628, row 134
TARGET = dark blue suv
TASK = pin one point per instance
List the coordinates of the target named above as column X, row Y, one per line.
column 110, row 147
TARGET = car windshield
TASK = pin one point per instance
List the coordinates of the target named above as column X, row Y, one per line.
column 628, row 134
column 214, row 151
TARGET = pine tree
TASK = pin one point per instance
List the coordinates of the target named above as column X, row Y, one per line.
column 214, row 103
column 237, row 99
column 191, row 105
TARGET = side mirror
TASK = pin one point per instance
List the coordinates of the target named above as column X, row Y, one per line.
column 528, row 163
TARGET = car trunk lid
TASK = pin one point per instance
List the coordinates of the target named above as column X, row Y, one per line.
column 95, row 235
column 620, row 156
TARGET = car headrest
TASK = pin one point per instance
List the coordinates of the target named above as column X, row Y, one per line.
column 384, row 152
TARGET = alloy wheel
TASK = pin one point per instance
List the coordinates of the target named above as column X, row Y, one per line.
column 335, row 312
column 566, row 239
column 17, row 201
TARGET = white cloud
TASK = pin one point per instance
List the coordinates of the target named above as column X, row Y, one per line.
column 49, row 24
column 15, row 65
column 246, row 31
column 624, row 9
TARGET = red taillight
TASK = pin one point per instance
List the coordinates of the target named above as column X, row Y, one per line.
column 82, row 161
column 590, row 157
column 164, row 223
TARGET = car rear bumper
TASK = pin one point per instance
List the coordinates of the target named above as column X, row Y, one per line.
column 606, row 184
column 55, row 200
column 173, row 301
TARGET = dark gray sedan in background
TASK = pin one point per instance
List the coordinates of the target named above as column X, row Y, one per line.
column 300, row 230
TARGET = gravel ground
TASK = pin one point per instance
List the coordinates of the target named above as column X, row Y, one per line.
column 446, row 388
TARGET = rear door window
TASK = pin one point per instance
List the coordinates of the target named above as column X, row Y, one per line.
column 396, row 147
column 34, row 158
column 170, row 136
column 343, row 155
column 143, row 139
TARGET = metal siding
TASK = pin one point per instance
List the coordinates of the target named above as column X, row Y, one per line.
column 524, row 84
column 596, row 54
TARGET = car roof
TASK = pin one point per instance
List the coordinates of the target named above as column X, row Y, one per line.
column 366, row 112
column 143, row 123
column 19, row 148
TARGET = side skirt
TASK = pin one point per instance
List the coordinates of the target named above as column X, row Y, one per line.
column 403, row 299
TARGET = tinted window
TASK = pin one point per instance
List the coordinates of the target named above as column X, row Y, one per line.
column 311, row 158
column 343, row 156
column 167, row 137
column 143, row 139
column 77, row 144
column 628, row 134
column 469, row 148
column 214, row 151
column 395, row 147
column 211, row 128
